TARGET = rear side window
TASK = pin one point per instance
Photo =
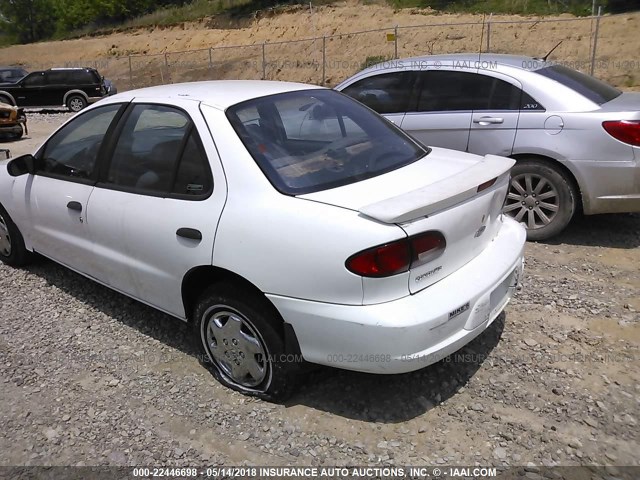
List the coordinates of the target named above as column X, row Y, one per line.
column 595, row 90
column 313, row 140
column 386, row 93
column 464, row 91
column 159, row 152
column 57, row 77
column 85, row 76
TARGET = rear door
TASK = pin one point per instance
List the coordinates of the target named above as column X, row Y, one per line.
column 156, row 208
column 441, row 116
column 498, row 99
column 390, row 94
column 56, row 84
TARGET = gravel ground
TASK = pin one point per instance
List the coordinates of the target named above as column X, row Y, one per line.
column 90, row 377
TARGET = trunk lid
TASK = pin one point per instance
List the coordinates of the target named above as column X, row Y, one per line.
column 439, row 192
column 625, row 102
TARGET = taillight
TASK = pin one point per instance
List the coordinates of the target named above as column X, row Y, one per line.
column 627, row 131
column 382, row 261
column 487, row 184
column 426, row 247
column 397, row 257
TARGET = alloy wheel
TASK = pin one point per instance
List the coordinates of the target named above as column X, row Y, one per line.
column 532, row 200
column 76, row 104
column 5, row 238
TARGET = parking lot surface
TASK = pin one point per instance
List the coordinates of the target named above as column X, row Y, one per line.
column 90, row 377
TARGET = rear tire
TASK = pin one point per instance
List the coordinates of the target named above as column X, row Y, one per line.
column 75, row 103
column 241, row 342
column 12, row 249
column 541, row 197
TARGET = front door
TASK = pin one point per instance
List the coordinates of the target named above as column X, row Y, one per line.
column 30, row 91
column 57, row 199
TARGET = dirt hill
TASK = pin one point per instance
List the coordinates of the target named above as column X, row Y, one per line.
column 160, row 55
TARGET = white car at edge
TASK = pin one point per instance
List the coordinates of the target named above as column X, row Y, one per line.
column 278, row 219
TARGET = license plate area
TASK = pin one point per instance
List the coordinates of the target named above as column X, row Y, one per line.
column 499, row 293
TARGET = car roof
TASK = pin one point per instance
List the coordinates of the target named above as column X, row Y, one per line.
column 217, row 93
column 516, row 61
column 65, row 69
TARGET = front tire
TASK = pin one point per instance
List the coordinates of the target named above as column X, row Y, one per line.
column 75, row 103
column 241, row 343
column 12, row 249
column 541, row 197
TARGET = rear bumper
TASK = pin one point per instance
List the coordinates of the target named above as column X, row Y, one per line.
column 417, row 330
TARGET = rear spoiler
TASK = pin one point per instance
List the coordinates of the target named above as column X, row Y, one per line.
column 439, row 195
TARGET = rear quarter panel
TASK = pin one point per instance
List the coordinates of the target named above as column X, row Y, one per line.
column 286, row 245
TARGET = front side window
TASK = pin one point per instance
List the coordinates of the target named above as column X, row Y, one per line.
column 313, row 140
column 159, row 152
column 73, row 151
column 34, row 80
column 386, row 93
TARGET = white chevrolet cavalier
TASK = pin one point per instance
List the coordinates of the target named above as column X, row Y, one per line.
column 284, row 221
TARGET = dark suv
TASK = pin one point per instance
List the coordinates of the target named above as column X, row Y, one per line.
column 74, row 88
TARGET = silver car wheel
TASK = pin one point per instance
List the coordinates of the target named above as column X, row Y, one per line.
column 235, row 346
column 5, row 238
column 76, row 104
column 532, row 200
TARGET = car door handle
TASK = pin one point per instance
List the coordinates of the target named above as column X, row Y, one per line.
column 488, row 120
column 73, row 205
column 190, row 233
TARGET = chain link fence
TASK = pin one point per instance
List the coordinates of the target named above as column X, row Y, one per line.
column 328, row 59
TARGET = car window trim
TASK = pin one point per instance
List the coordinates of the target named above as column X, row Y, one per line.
column 93, row 178
column 203, row 153
column 102, row 182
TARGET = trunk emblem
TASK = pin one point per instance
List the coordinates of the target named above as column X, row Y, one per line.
column 428, row 274
column 480, row 231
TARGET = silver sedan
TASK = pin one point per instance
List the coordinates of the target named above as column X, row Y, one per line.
column 576, row 139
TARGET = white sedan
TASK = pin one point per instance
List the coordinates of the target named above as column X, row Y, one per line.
column 285, row 222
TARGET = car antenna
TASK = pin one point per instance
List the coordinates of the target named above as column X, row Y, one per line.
column 544, row 59
column 484, row 15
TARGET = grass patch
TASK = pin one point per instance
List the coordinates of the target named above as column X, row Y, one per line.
column 517, row 7
column 190, row 12
column 372, row 60
column 5, row 37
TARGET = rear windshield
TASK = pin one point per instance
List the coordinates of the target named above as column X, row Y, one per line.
column 595, row 90
column 313, row 140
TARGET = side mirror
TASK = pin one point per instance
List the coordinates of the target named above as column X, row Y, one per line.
column 22, row 165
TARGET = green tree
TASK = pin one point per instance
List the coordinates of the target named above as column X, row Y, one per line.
column 29, row 20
